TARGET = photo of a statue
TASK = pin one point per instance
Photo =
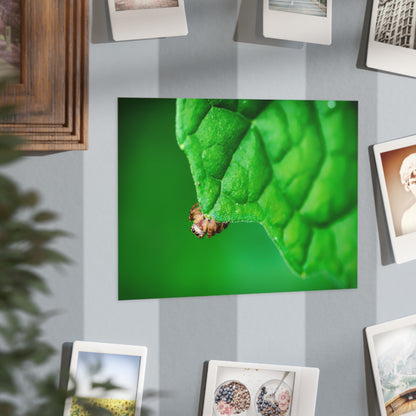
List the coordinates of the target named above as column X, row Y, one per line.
column 408, row 179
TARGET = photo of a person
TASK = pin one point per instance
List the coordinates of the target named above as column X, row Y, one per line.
column 122, row 5
column 399, row 168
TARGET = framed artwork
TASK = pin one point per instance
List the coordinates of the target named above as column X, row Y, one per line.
column 48, row 50
column 307, row 21
column 106, row 376
column 10, row 39
column 396, row 168
column 391, row 43
column 223, row 197
column 247, row 389
column 145, row 19
column 392, row 348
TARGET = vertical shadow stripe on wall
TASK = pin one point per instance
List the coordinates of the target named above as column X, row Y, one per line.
column 335, row 319
column 192, row 330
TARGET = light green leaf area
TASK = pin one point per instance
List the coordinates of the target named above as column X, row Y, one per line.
column 289, row 165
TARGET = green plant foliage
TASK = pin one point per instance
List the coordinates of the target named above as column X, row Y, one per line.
column 24, row 248
column 289, row 165
column 26, row 239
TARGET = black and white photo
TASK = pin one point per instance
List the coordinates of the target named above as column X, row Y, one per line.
column 396, row 23
column 392, row 39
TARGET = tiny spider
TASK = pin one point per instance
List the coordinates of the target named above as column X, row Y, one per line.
column 202, row 225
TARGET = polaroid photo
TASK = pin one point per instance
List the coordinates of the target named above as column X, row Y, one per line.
column 106, row 376
column 392, row 41
column 146, row 19
column 249, row 27
column 245, row 389
column 392, row 349
column 396, row 168
column 298, row 20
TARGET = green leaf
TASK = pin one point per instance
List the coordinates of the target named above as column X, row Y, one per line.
column 44, row 216
column 105, row 385
column 7, row 382
column 39, row 255
column 11, row 331
column 50, row 399
column 40, row 353
column 9, row 198
column 7, row 408
column 29, row 199
column 289, row 165
column 8, row 155
column 6, row 110
column 24, row 303
column 9, row 141
column 28, row 279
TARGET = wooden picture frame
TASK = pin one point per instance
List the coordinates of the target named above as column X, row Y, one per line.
column 51, row 101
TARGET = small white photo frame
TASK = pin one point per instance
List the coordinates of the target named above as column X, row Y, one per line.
column 94, row 364
column 147, row 19
column 392, row 349
column 396, row 169
column 391, row 42
column 248, row 389
column 307, row 21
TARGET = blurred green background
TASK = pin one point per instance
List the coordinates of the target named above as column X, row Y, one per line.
column 159, row 256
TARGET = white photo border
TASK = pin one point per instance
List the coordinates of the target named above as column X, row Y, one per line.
column 373, row 331
column 403, row 245
column 148, row 23
column 386, row 57
column 297, row 27
column 104, row 348
column 304, row 392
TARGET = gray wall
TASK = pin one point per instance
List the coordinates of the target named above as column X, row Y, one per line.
column 325, row 327
column 58, row 179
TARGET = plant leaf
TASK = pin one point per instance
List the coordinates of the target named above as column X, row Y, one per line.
column 289, row 165
column 28, row 279
column 38, row 255
column 24, row 303
column 7, row 382
column 44, row 216
column 7, row 408
column 105, row 385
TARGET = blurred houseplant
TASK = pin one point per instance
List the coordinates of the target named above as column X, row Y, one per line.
column 25, row 240
column 25, row 248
